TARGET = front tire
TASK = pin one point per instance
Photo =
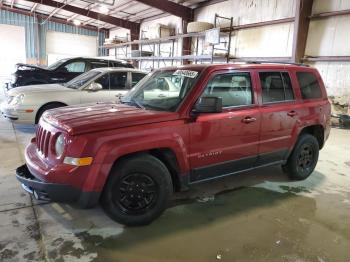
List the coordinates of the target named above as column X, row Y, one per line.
column 302, row 161
column 137, row 191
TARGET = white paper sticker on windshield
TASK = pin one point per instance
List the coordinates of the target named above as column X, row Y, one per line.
column 186, row 73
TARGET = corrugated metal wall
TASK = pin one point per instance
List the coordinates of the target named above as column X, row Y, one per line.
column 36, row 34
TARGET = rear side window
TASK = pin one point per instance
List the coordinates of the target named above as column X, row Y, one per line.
column 276, row 87
column 117, row 64
column 309, row 86
column 98, row 64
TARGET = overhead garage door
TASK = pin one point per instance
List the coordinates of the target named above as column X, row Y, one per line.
column 12, row 49
column 62, row 45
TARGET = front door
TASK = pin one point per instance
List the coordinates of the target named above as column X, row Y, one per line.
column 69, row 71
column 227, row 142
column 119, row 85
column 103, row 95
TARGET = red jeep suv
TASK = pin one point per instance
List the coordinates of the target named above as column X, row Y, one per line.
column 177, row 127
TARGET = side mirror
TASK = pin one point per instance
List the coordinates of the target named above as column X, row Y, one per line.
column 93, row 87
column 208, row 105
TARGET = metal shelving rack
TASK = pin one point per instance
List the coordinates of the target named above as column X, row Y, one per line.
column 155, row 45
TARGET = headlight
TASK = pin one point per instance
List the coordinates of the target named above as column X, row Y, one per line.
column 15, row 100
column 59, row 145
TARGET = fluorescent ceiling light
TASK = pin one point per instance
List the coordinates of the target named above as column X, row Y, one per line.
column 103, row 9
column 76, row 22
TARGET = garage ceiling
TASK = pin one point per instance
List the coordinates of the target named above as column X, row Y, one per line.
column 133, row 11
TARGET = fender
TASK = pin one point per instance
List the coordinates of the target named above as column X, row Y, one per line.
column 304, row 123
column 111, row 151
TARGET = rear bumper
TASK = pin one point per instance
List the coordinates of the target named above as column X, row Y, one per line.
column 54, row 192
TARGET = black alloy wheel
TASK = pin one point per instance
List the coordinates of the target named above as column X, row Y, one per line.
column 136, row 193
column 303, row 159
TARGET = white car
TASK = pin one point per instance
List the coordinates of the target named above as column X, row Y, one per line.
column 26, row 104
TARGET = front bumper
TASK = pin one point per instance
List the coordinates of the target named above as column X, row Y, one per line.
column 17, row 113
column 54, row 192
column 9, row 112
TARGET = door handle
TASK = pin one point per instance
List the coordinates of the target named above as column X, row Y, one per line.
column 161, row 95
column 292, row 113
column 248, row 120
column 118, row 95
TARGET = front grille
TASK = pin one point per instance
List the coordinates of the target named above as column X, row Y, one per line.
column 43, row 140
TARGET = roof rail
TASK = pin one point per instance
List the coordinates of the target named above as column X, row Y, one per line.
column 275, row 62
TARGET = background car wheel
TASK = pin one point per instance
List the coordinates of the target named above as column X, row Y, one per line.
column 137, row 191
column 302, row 162
column 46, row 107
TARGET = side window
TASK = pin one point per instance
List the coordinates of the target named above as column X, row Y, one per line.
column 289, row 95
column 309, row 86
column 75, row 67
column 118, row 80
column 136, row 77
column 104, row 81
column 276, row 87
column 235, row 89
column 98, row 64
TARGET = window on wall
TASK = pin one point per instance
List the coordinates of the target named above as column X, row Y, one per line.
column 276, row 87
column 309, row 86
column 235, row 89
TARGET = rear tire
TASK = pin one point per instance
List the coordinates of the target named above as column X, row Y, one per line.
column 302, row 161
column 137, row 191
column 46, row 107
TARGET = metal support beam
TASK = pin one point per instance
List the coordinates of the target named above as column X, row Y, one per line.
column 33, row 8
column 56, row 10
column 44, row 16
column 184, row 12
column 330, row 14
column 186, row 42
column 98, row 16
column 301, row 28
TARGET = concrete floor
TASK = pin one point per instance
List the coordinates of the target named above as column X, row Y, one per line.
column 256, row 216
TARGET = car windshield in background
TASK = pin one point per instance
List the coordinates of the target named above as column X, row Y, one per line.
column 57, row 64
column 81, row 80
column 162, row 90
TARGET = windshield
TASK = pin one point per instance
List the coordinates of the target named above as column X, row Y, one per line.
column 83, row 79
column 162, row 90
column 57, row 64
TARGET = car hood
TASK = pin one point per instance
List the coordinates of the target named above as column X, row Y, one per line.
column 26, row 67
column 96, row 117
column 38, row 88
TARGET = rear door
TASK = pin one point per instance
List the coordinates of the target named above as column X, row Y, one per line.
column 226, row 142
column 279, row 115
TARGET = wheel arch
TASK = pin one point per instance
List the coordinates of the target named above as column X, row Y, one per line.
column 317, row 131
column 44, row 105
column 166, row 155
